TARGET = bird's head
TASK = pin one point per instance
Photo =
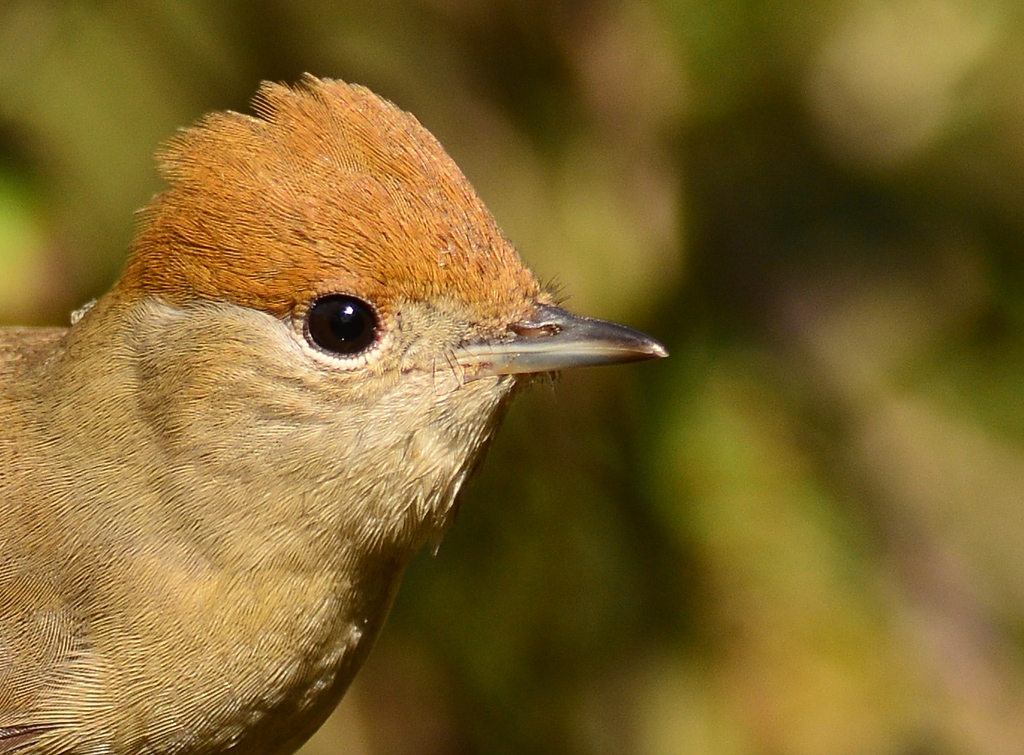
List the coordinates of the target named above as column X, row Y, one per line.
column 320, row 291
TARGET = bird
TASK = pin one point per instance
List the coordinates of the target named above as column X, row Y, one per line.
column 212, row 481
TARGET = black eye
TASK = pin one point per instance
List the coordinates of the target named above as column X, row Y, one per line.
column 341, row 324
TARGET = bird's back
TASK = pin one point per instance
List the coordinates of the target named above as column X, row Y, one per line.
column 39, row 643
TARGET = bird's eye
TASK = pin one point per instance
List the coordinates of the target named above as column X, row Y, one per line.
column 341, row 324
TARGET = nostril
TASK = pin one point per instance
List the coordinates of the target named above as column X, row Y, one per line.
column 534, row 330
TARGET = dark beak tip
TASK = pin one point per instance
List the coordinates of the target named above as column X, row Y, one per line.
column 656, row 350
column 649, row 351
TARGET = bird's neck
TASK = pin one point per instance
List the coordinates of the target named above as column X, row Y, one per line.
column 260, row 528
column 248, row 574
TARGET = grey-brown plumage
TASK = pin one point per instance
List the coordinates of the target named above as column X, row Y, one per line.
column 205, row 509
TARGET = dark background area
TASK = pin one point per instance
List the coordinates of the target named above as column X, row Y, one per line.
column 803, row 532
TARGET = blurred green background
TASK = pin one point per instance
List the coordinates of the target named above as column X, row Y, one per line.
column 804, row 532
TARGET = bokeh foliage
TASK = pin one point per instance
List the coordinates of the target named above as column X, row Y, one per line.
column 804, row 532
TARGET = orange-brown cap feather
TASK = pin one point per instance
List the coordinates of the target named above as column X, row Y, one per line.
column 329, row 189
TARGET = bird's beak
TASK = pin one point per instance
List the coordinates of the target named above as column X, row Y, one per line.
column 553, row 339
